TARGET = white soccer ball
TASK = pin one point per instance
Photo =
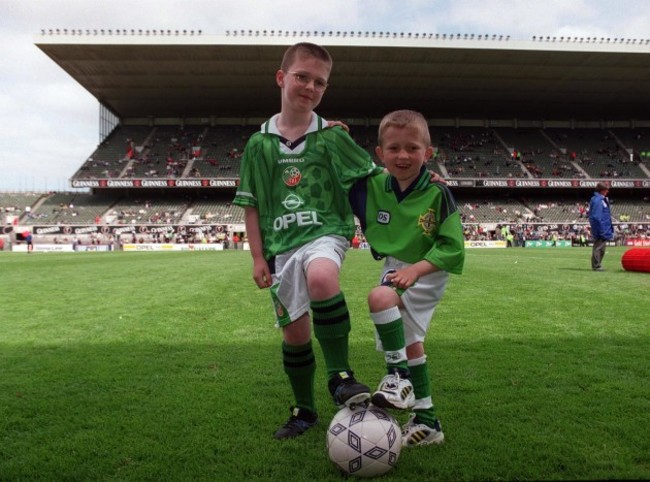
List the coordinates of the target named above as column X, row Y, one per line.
column 364, row 442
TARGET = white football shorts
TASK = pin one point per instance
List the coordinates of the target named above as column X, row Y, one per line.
column 420, row 301
column 289, row 291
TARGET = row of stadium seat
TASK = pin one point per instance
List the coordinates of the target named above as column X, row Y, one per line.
column 207, row 151
column 77, row 208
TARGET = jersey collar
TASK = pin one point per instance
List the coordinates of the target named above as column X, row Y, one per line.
column 292, row 146
column 271, row 125
column 420, row 183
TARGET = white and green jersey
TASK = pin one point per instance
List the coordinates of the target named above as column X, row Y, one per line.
column 300, row 188
column 419, row 223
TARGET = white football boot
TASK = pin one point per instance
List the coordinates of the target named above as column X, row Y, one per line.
column 394, row 392
column 414, row 433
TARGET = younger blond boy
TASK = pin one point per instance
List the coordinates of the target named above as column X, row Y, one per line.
column 415, row 227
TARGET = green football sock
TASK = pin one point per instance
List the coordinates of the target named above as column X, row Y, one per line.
column 390, row 329
column 332, row 328
column 424, row 410
column 300, row 366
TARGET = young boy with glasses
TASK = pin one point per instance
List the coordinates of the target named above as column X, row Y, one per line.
column 415, row 226
column 294, row 182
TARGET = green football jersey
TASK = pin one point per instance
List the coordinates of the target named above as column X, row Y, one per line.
column 300, row 188
column 419, row 223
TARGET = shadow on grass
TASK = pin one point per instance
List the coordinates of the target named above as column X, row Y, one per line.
column 615, row 269
column 511, row 409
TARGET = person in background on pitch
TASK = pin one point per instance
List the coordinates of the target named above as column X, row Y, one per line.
column 30, row 242
column 295, row 177
column 602, row 230
column 415, row 226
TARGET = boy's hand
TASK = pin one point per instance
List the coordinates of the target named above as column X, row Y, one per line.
column 339, row 124
column 435, row 177
column 403, row 278
column 262, row 274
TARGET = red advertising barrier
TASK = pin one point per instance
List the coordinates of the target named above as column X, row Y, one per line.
column 637, row 242
column 636, row 259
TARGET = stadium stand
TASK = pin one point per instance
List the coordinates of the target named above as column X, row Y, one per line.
column 490, row 209
column 221, row 212
column 637, row 140
column 167, row 153
column 18, row 203
column 474, row 152
column 540, row 158
column 112, row 156
column 631, row 211
column 518, row 159
column 68, row 208
column 537, row 209
column 221, row 150
column 464, row 152
column 597, row 152
column 76, row 208
column 147, row 210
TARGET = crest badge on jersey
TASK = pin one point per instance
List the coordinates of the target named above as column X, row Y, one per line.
column 427, row 222
column 291, row 176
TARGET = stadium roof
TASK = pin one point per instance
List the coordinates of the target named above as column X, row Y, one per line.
column 482, row 77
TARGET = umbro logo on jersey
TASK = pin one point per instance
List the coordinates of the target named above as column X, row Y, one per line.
column 383, row 217
column 292, row 160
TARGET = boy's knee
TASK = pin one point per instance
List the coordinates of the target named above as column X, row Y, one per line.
column 297, row 332
column 381, row 298
column 323, row 283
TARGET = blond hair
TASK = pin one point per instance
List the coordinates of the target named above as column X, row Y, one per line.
column 403, row 118
column 304, row 49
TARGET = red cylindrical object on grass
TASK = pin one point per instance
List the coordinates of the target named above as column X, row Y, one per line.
column 636, row 259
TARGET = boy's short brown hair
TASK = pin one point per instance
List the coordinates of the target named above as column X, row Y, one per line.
column 307, row 49
column 403, row 118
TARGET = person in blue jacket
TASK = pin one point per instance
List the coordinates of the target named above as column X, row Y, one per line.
column 600, row 219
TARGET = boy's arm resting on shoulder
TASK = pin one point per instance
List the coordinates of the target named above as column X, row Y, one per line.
column 435, row 177
column 338, row 123
column 351, row 162
column 261, row 271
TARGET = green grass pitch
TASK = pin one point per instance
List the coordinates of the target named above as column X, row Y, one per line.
column 166, row 366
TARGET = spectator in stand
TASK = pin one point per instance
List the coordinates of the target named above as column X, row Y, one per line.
column 600, row 219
